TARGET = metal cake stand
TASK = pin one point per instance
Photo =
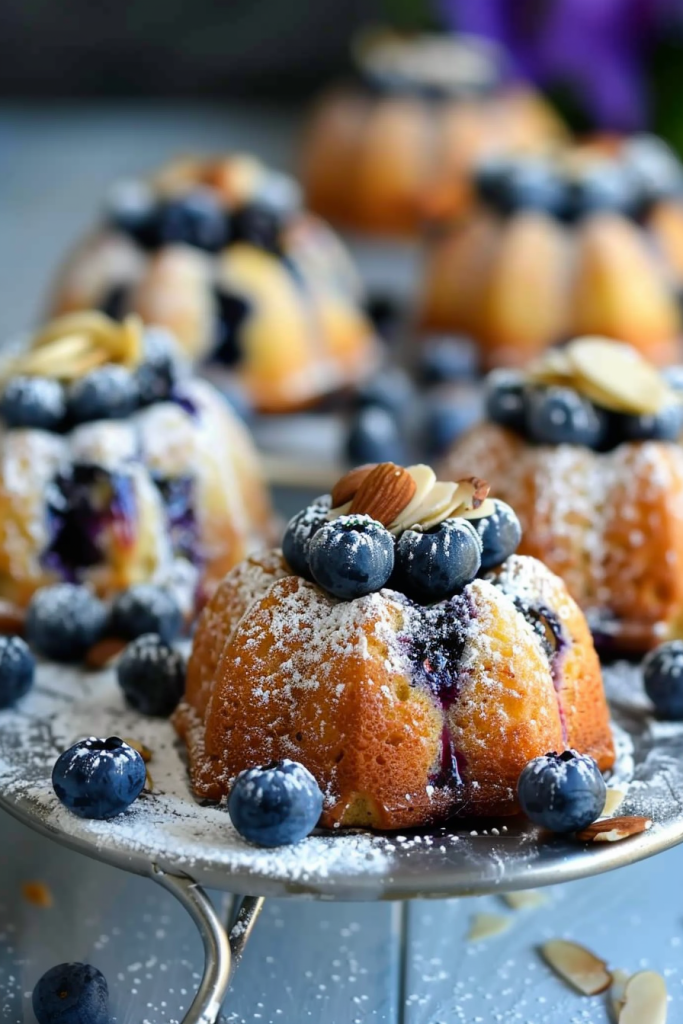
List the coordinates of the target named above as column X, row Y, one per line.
column 184, row 847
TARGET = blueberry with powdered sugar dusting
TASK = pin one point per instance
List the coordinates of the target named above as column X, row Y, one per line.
column 71, row 994
column 158, row 373
column 299, row 533
column 562, row 792
column 352, row 556
column 500, row 535
column 99, row 778
column 663, row 679
column 17, row 670
column 152, row 676
column 146, row 608
column 108, row 393
column 434, row 565
column 276, row 805
column 36, row 402
column 63, row 621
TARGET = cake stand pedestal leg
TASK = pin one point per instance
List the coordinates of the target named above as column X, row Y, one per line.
column 221, row 954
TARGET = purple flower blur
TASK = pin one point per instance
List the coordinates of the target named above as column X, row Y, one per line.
column 595, row 46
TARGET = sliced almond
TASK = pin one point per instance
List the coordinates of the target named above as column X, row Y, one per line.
column 485, row 926
column 149, row 782
column 526, row 899
column 89, row 322
column 487, row 508
column 104, row 652
column 384, row 493
column 645, row 1000
column 345, row 489
column 49, row 358
column 144, row 752
column 613, row 801
column 618, row 375
column 617, row 995
column 425, row 478
column 613, row 830
column 436, row 506
column 472, row 493
column 554, row 368
column 578, row 966
column 127, row 345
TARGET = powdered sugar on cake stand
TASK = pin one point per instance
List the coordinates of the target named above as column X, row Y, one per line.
column 168, row 829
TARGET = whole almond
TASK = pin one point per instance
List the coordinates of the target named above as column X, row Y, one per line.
column 612, row 830
column 104, row 651
column 384, row 493
column 345, row 489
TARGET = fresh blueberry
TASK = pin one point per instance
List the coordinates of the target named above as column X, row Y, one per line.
column 505, row 399
column 560, row 415
column 391, row 389
column 663, row 678
column 63, row 621
column 17, row 669
column 351, row 556
column 562, row 792
column 450, row 410
column 673, row 375
column 664, row 425
column 259, row 224
column 196, row 219
column 109, row 393
column 448, row 359
column 71, row 994
column 605, row 186
column 146, row 608
column 435, row 565
column 299, row 533
column 157, row 374
column 385, row 313
column 33, row 402
column 276, row 805
column 152, row 676
column 233, row 310
column 375, row 436
column 500, row 535
column 522, row 185
column 98, row 778
column 655, row 169
column 133, row 209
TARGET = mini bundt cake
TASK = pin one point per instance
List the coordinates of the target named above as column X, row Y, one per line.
column 114, row 470
column 585, row 446
column 220, row 253
column 397, row 148
column 586, row 244
column 400, row 650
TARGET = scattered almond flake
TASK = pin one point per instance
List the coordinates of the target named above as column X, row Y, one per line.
column 613, row 830
column 614, row 800
column 144, row 752
column 620, row 980
column 578, row 966
column 37, row 893
column 149, row 781
column 485, row 926
column 526, row 899
column 645, row 999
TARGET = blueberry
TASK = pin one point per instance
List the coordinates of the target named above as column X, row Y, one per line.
column 152, row 676
column 375, row 436
column 505, row 399
column 133, row 209
column 391, row 389
column 71, row 994
column 663, row 678
column 196, row 218
column 522, row 185
column 500, row 535
column 146, row 608
column 33, row 402
column 98, row 778
column 673, row 375
column 435, row 565
column 560, row 415
column 351, row 556
column 385, row 314
column 258, row 224
column 157, row 374
column 664, row 425
column 233, row 310
column 17, row 669
column 276, row 805
column 605, row 186
column 448, row 360
column 109, row 393
column 562, row 792
column 655, row 169
column 298, row 535
column 449, row 412
column 63, row 621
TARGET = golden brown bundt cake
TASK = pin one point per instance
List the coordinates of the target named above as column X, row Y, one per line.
column 398, row 147
column 585, row 447
column 555, row 249
column 116, row 470
column 388, row 655
column 219, row 252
